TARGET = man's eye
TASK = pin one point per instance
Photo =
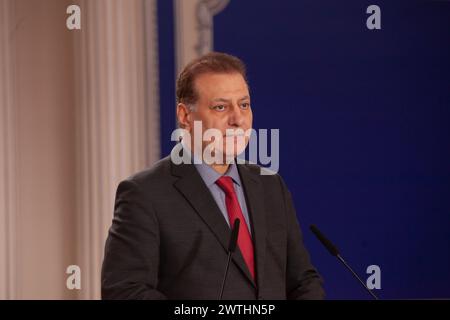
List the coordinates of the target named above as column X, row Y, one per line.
column 219, row 107
column 245, row 105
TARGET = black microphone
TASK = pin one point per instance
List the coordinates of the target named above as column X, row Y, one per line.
column 335, row 252
column 231, row 249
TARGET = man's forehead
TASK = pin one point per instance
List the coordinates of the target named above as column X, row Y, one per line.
column 221, row 86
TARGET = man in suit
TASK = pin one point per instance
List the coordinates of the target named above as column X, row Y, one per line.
column 171, row 226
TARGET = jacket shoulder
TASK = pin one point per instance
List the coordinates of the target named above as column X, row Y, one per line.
column 266, row 176
column 160, row 171
column 256, row 169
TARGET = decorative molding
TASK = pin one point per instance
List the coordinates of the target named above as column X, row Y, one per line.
column 195, row 28
column 206, row 10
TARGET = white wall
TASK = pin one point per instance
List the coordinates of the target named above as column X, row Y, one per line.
column 79, row 112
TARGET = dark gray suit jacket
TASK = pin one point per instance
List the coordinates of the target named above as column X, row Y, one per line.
column 168, row 239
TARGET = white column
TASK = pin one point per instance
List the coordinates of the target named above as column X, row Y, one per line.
column 117, row 118
column 7, row 155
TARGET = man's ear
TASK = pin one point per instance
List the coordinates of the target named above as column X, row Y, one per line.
column 183, row 116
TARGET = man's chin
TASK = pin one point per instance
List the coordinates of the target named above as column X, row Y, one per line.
column 222, row 158
column 223, row 155
column 230, row 157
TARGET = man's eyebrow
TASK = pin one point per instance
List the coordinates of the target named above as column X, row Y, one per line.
column 220, row 100
column 228, row 100
column 244, row 98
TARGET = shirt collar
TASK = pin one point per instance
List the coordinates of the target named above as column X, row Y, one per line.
column 209, row 175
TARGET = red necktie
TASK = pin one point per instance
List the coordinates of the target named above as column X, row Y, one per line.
column 234, row 212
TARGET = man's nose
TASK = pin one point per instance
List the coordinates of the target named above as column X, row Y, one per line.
column 237, row 117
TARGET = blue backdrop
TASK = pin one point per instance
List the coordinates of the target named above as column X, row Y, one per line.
column 364, row 128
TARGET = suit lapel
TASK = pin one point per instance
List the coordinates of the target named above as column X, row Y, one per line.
column 254, row 193
column 191, row 185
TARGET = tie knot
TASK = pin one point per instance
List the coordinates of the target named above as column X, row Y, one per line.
column 226, row 184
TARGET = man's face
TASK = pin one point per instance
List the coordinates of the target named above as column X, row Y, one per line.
column 223, row 103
